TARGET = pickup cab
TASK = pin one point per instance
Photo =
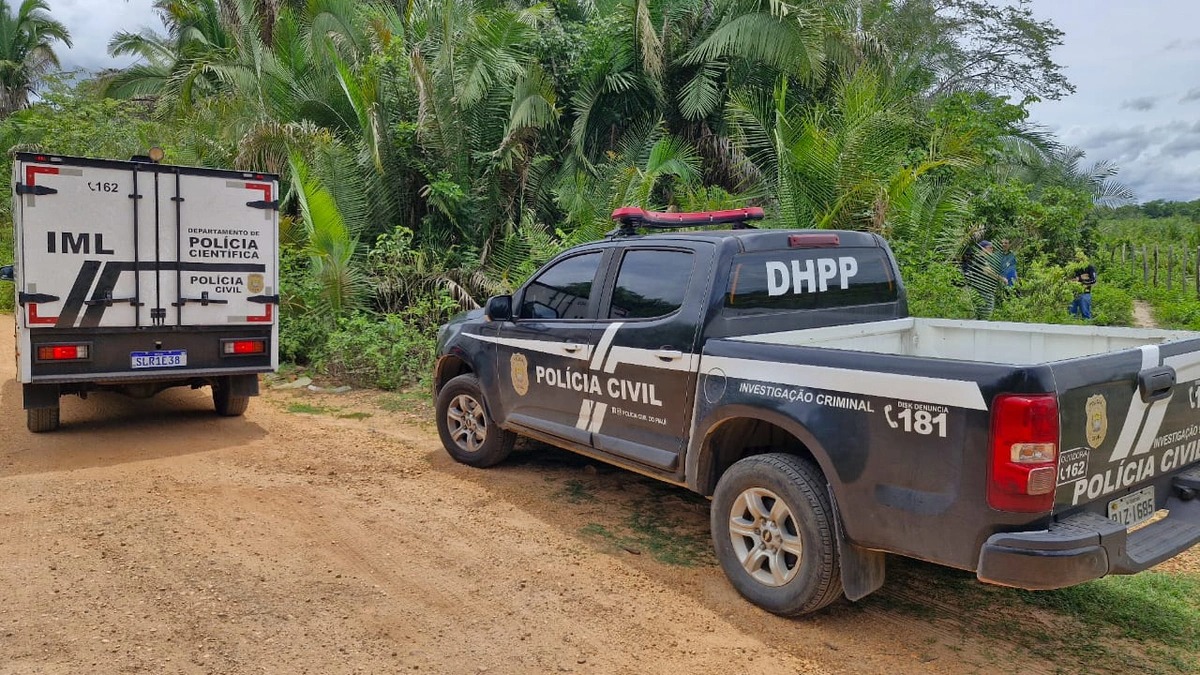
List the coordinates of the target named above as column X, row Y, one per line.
column 778, row 372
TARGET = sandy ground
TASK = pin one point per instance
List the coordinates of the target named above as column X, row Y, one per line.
column 1143, row 315
column 155, row 537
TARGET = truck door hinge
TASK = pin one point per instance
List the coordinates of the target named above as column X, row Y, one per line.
column 264, row 299
column 108, row 300
column 204, row 300
column 263, row 204
column 35, row 298
column 23, row 189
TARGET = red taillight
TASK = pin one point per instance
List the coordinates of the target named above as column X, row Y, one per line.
column 238, row 347
column 1024, row 453
column 62, row 352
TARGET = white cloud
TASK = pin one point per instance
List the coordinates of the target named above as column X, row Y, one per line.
column 1137, row 79
column 93, row 22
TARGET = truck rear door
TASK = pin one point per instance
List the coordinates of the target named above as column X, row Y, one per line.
column 107, row 244
column 1129, row 422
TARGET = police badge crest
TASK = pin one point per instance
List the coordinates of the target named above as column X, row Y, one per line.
column 1097, row 420
column 519, row 370
column 255, row 283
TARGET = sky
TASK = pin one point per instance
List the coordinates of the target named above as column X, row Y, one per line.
column 1136, row 67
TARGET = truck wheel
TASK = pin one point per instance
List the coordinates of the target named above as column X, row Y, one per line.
column 41, row 419
column 774, row 536
column 227, row 404
column 469, row 434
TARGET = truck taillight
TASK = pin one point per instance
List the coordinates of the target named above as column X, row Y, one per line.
column 1024, row 453
column 240, row 347
column 62, row 352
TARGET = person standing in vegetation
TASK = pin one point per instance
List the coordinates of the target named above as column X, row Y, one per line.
column 1008, row 263
column 1081, row 306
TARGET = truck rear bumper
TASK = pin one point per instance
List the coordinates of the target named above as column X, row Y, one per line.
column 1088, row 546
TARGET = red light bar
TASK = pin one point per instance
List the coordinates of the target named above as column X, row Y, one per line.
column 631, row 215
column 239, row 347
column 62, row 352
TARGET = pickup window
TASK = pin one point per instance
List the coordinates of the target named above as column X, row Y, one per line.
column 651, row 283
column 562, row 290
column 810, row 279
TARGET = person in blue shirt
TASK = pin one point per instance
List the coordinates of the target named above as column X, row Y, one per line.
column 1008, row 263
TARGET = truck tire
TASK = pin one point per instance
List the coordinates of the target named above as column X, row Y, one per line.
column 227, row 404
column 40, row 420
column 468, row 432
column 773, row 530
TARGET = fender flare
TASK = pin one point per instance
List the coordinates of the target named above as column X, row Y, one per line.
column 698, row 462
column 862, row 570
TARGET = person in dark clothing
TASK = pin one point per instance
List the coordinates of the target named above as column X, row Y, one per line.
column 1081, row 306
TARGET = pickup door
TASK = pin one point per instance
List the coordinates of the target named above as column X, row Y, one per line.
column 124, row 245
column 645, row 362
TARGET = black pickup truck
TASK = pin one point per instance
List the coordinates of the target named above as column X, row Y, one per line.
column 778, row 372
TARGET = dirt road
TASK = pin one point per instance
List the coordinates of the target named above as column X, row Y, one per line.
column 327, row 534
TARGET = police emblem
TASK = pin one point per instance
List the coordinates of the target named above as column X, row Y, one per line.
column 518, row 368
column 1097, row 420
column 255, row 283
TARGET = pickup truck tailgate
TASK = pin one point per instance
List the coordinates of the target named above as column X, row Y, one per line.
column 1130, row 421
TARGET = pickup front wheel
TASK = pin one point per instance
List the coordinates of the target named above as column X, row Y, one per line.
column 773, row 532
column 467, row 431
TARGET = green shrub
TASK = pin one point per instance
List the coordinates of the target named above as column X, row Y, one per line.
column 1111, row 306
column 389, row 353
column 1042, row 295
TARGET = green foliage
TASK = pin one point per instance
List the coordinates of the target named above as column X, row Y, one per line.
column 1146, row 606
column 1112, row 305
column 27, row 37
column 303, row 329
column 388, row 353
column 934, row 284
column 1041, row 295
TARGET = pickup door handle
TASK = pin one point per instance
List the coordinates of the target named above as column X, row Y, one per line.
column 669, row 354
column 1156, row 383
column 571, row 347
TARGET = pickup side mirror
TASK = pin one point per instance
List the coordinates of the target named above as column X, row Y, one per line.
column 6, row 273
column 499, row 308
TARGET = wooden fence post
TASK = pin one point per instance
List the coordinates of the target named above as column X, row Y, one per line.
column 1156, row 265
column 1171, row 267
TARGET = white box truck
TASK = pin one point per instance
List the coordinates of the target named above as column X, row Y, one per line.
column 134, row 276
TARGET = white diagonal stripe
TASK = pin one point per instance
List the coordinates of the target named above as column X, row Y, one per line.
column 597, row 417
column 1136, row 412
column 1154, row 421
column 605, row 343
column 585, row 414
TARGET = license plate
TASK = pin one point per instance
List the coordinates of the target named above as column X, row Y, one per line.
column 163, row 358
column 1134, row 508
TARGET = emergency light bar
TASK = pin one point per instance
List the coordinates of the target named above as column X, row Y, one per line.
column 631, row 218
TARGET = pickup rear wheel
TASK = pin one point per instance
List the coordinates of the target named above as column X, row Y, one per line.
column 40, row 420
column 467, row 431
column 773, row 532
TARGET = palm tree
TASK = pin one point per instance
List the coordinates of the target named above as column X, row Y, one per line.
column 27, row 39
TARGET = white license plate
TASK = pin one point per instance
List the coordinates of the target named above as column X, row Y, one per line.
column 1134, row 508
column 166, row 358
